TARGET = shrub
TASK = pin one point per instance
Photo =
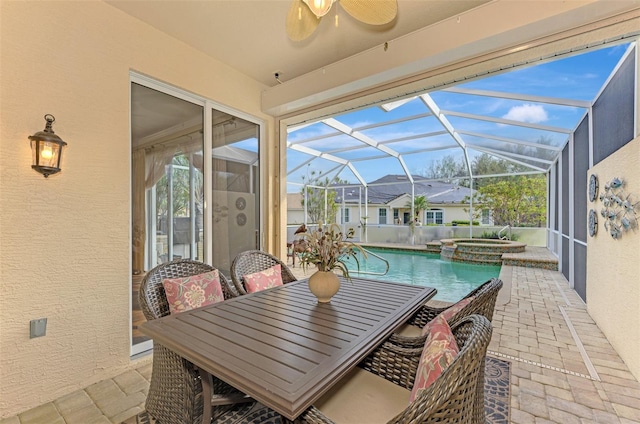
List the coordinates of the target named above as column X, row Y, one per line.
column 494, row 235
column 462, row 222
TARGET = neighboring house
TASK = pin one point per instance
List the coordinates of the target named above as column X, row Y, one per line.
column 295, row 210
column 387, row 200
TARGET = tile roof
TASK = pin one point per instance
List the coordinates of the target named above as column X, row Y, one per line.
column 391, row 187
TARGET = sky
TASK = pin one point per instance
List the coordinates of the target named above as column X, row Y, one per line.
column 422, row 141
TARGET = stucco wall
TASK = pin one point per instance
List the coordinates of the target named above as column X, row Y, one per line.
column 64, row 241
column 613, row 266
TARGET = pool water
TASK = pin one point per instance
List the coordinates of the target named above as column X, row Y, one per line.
column 453, row 280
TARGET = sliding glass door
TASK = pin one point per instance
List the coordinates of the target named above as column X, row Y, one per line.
column 186, row 204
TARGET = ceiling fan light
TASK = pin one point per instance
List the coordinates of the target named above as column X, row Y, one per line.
column 319, row 7
column 300, row 22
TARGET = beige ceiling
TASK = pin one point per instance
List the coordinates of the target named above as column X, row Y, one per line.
column 250, row 35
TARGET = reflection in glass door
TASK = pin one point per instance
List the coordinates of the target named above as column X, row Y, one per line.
column 235, row 185
column 175, row 203
column 173, row 215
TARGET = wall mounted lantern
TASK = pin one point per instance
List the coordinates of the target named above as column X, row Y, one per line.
column 46, row 149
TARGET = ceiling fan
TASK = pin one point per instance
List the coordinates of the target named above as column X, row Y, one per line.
column 304, row 15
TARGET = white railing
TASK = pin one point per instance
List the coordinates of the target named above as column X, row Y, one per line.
column 501, row 237
column 368, row 252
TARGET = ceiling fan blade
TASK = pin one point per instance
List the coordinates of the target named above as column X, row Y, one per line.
column 372, row 12
column 300, row 22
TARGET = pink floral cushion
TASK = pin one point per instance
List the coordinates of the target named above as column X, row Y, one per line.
column 439, row 351
column 265, row 279
column 184, row 294
column 449, row 313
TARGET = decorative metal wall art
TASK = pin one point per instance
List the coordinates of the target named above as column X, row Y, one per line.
column 593, row 187
column 593, row 222
column 241, row 218
column 619, row 210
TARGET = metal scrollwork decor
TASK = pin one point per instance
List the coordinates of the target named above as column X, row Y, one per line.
column 619, row 210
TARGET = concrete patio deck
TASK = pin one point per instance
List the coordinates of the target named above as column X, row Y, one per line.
column 563, row 368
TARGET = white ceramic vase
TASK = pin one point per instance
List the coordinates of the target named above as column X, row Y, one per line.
column 324, row 284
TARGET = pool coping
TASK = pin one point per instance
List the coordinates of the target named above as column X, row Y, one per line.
column 506, row 275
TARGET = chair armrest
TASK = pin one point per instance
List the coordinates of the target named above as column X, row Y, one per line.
column 424, row 315
column 394, row 363
column 407, row 342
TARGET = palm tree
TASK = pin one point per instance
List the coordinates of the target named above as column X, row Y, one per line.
column 420, row 204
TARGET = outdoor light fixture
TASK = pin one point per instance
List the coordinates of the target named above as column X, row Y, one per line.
column 46, row 149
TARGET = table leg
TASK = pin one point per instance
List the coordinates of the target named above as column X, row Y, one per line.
column 207, row 392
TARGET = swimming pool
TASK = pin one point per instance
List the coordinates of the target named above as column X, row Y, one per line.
column 453, row 280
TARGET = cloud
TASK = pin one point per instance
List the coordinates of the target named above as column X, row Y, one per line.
column 527, row 113
column 493, row 105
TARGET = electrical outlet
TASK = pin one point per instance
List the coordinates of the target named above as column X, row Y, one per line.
column 38, row 328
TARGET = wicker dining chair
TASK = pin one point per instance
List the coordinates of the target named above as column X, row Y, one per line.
column 483, row 303
column 452, row 398
column 175, row 390
column 252, row 261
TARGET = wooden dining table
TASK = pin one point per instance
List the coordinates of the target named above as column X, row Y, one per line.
column 283, row 348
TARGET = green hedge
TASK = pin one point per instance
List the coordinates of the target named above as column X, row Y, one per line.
column 460, row 222
column 494, row 235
